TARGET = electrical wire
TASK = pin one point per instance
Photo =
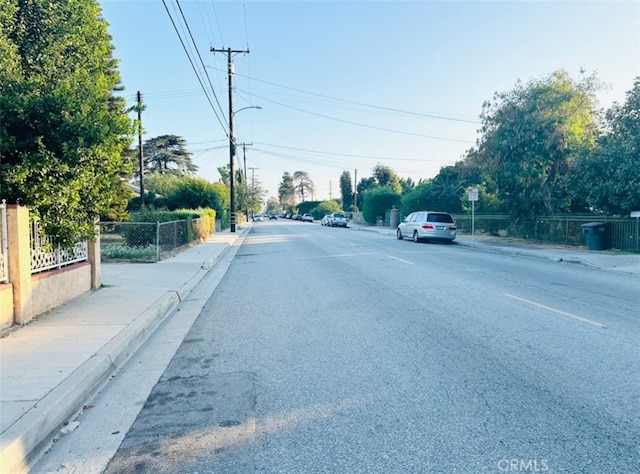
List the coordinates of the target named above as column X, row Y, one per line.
column 389, row 109
column 374, row 127
column 204, row 69
column 224, row 127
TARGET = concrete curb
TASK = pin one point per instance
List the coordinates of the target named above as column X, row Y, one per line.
column 32, row 433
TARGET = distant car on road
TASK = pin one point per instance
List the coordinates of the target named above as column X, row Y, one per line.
column 427, row 225
column 257, row 218
column 307, row 217
column 273, row 217
column 326, row 220
column 338, row 219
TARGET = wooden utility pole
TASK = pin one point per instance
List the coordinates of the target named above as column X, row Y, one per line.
column 355, row 189
column 232, row 138
column 140, row 154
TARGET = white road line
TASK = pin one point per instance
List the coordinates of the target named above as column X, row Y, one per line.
column 400, row 260
column 548, row 308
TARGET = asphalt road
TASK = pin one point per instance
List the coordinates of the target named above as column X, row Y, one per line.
column 334, row 350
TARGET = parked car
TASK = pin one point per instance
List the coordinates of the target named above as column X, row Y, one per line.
column 326, row 220
column 296, row 217
column 338, row 219
column 427, row 225
column 273, row 217
column 307, row 217
column 257, row 218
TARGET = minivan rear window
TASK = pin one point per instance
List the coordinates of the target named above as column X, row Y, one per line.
column 440, row 218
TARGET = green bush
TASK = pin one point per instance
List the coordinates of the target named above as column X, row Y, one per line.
column 377, row 202
column 122, row 252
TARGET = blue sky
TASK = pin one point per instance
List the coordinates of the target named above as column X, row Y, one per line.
column 349, row 85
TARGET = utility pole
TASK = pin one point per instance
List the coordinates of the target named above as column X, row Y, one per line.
column 244, row 159
column 140, row 154
column 252, row 182
column 252, row 177
column 232, row 138
column 355, row 190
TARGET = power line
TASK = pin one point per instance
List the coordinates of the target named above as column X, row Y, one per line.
column 204, row 69
column 336, row 119
column 347, row 155
column 362, row 104
column 224, row 127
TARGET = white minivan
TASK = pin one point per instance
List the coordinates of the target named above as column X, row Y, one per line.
column 427, row 225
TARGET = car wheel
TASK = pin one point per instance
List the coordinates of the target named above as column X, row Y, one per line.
column 415, row 236
column 399, row 234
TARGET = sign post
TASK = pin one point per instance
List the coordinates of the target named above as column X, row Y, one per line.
column 473, row 197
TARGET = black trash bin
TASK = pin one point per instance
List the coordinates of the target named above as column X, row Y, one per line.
column 598, row 235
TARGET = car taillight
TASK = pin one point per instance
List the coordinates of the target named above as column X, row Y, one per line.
column 427, row 226
column 452, row 227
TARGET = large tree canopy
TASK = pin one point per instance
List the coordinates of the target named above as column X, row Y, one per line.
column 610, row 176
column 531, row 138
column 303, row 184
column 63, row 131
column 167, row 154
column 287, row 191
column 346, row 191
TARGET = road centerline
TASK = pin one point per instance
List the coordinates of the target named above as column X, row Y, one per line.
column 400, row 260
column 554, row 310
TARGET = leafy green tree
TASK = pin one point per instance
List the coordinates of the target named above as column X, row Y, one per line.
column 324, row 208
column 63, row 129
column 610, row 175
column 385, row 176
column 531, row 139
column 161, row 184
column 378, row 201
column 406, row 185
column 287, row 191
column 417, row 199
column 273, row 206
column 192, row 193
column 250, row 197
column 346, row 190
column 363, row 186
column 167, row 154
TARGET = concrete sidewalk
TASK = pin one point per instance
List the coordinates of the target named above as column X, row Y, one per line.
column 51, row 367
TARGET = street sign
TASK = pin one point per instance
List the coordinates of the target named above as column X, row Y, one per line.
column 473, row 194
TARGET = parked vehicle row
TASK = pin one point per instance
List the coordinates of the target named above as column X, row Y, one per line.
column 418, row 226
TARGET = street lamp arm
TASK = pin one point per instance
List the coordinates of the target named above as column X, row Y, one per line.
column 249, row 107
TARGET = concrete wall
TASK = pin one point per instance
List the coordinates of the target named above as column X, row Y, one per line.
column 27, row 296
column 6, row 305
column 53, row 288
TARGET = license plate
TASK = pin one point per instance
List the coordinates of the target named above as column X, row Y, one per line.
column 441, row 227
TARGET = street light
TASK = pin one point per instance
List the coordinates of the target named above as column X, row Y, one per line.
column 232, row 156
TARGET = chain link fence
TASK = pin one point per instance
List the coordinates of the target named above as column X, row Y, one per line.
column 150, row 241
column 566, row 230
